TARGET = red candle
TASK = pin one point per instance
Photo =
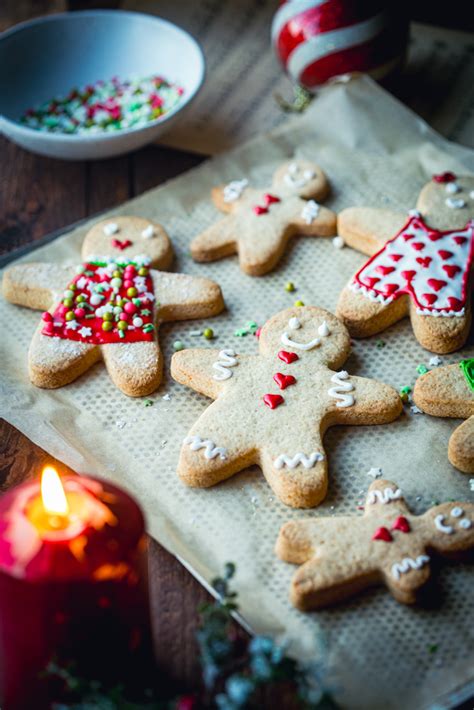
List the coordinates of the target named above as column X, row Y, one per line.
column 72, row 586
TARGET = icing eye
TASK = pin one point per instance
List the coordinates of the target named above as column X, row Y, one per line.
column 466, row 524
column 294, row 324
column 324, row 329
column 457, row 512
column 452, row 188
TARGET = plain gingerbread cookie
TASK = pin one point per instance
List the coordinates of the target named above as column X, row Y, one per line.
column 419, row 267
column 342, row 555
column 449, row 392
column 272, row 409
column 108, row 308
column 260, row 223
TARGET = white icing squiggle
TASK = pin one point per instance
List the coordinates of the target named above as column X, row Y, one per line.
column 211, row 451
column 286, row 340
column 408, row 564
column 340, row 391
column 384, row 497
column 234, row 189
column 439, row 522
column 310, row 211
column 226, row 359
column 294, row 461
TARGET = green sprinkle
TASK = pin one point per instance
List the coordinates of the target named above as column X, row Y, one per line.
column 89, row 316
column 252, row 326
column 298, row 303
column 148, row 402
column 178, row 345
column 121, row 333
column 241, row 332
column 432, row 647
column 405, row 390
column 208, row 333
column 422, row 369
column 290, row 287
column 380, row 343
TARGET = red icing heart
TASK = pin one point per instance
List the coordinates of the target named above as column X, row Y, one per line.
column 284, row 381
column 370, row 281
column 402, row 524
column 396, row 257
column 288, row 357
column 418, row 246
column 384, row 270
column 459, row 240
column 269, row 199
column 451, row 269
column 424, row 261
column 273, row 400
column 444, row 177
column 382, row 534
column 436, row 284
column 408, row 275
column 259, row 210
column 118, row 244
column 388, row 289
column 455, row 303
column 430, row 298
column 445, row 254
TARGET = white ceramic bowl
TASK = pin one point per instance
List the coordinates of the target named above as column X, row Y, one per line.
column 49, row 56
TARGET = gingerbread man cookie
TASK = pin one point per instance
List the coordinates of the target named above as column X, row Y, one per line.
column 260, row 223
column 420, row 266
column 272, row 409
column 342, row 555
column 109, row 307
column 449, row 392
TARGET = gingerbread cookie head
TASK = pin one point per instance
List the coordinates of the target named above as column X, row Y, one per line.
column 302, row 178
column 126, row 238
column 310, row 331
column 454, row 526
column 447, row 201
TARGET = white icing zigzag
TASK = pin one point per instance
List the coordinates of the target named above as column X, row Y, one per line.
column 339, row 392
column 408, row 564
column 385, row 496
column 226, row 359
column 211, row 451
column 297, row 459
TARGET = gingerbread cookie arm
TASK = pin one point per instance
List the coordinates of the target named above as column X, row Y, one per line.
column 36, row 285
column 182, row 297
column 441, row 335
column 207, row 371
column 444, row 392
column 384, row 497
column 217, row 241
column 298, row 539
column 213, row 451
column 54, row 362
column 407, row 575
column 461, row 446
column 357, row 400
column 135, row 368
column 365, row 317
column 298, row 476
column 368, row 228
column 322, row 224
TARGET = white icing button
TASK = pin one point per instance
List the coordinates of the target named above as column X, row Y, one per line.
column 471, row 194
column 455, row 203
column 111, row 228
column 148, row 232
column 294, row 324
column 452, row 188
column 137, row 322
column 338, row 242
column 466, row 524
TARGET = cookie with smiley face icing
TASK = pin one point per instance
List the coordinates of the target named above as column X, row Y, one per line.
column 341, row 555
column 109, row 307
column 420, row 265
column 272, row 409
column 260, row 223
column 449, row 392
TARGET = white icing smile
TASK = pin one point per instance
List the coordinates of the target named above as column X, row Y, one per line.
column 286, row 340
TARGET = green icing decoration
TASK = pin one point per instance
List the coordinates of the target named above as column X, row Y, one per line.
column 467, row 366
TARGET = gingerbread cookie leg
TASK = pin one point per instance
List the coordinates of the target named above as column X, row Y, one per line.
column 461, row 446
column 440, row 335
column 135, row 368
column 54, row 362
column 365, row 317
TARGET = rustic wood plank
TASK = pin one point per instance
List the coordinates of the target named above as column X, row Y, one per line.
column 14, row 11
column 154, row 165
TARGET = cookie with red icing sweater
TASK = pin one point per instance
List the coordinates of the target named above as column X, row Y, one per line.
column 260, row 222
column 109, row 307
column 420, row 265
column 272, row 409
column 342, row 555
column 449, row 392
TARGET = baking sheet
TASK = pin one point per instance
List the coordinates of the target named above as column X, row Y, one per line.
column 377, row 651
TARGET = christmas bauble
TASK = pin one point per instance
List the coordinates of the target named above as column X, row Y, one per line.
column 317, row 40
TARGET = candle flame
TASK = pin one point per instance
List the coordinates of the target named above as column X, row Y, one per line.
column 52, row 492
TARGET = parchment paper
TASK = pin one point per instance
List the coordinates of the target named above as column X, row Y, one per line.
column 378, row 652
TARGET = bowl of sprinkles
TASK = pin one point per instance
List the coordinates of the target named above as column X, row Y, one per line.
column 94, row 84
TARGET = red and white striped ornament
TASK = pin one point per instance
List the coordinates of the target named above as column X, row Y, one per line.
column 317, row 40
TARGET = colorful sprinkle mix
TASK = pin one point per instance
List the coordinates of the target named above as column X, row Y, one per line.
column 105, row 106
column 422, row 369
